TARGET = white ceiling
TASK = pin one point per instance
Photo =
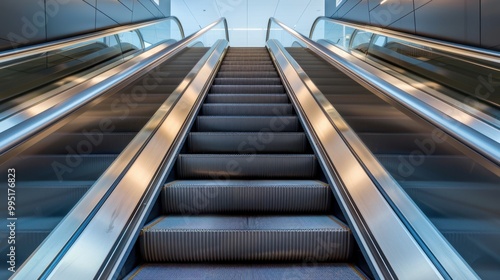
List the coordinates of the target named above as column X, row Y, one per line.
column 247, row 19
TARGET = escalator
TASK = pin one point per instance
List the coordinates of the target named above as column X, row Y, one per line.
column 55, row 171
column 247, row 198
column 50, row 70
column 456, row 193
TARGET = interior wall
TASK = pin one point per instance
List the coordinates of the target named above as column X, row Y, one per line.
column 27, row 22
column 470, row 22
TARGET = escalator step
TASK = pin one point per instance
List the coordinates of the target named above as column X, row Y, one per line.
column 227, row 109
column 246, row 98
column 247, row 89
column 52, row 198
column 247, row 124
column 247, row 142
column 245, row 238
column 249, row 61
column 30, row 232
column 247, row 81
column 70, row 166
column 252, row 271
column 224, row 68
column 101, row 142
column 217, row 166
column 248, row 75
column 217, row 197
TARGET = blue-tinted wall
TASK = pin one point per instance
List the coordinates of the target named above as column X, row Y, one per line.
column 26, row 22
column 470, row 22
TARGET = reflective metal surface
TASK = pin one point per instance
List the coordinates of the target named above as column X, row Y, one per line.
column 31, row 50
column 458, row 49
column 55, row 246
column 393, row 251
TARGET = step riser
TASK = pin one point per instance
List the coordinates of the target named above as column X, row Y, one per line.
column 183, row 198
column 247, row 143
column 220, row 167
column 244, row 246
column 247, row 124
column 247, row 89
column 247, row 110
column 246, row 98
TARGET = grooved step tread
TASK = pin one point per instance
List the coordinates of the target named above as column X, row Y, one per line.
column 245, row 238
column 246, row 98
column 245, row 196
column 235, row 109
column 226, row 166
column 247, row 142
column 247, row 124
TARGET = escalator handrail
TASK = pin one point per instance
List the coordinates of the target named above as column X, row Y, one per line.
column 458, row 49
column 22, row 52
column 89, row 210
column 481, row 137
column 442, row 254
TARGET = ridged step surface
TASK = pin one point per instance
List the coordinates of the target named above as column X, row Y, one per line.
column 247, row 142
column 245, row 238
column 291, row 196
column 246, row 98
column 247, row 124
column 219, row 166
column 236, row 109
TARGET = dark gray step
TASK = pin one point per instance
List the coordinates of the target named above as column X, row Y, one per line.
column 232, row 196
column 122, row 123
column 347, row 89
column 245, row 57
column 247, row 124
column 324, row 74
column 226, row 166
column 476, row 240
column 346, row 98
column 135, row 97
column 369, row 110
column 249, row 61
column 253, row 74
column 98, row 142
column 135, row 109
column 227, row 109
column 254, row 271
column 154, row 89
column 247, row 142
column 456, row 199
column 224, row 68
column 68, row 167
column 334, row 81
column 247, row 89
column 385, row 125
column 420, row 166
column 246, row 98
column 245, row 238
column 47, row 198
column 30, row 232
column 247, row 81
column 404, row 143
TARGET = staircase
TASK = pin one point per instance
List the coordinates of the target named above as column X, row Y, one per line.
column 247, row 202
